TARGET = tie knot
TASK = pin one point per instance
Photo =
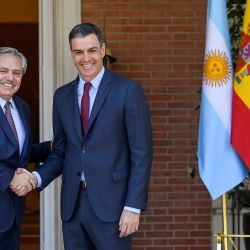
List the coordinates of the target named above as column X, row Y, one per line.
column 7, row 104
column 87, row 86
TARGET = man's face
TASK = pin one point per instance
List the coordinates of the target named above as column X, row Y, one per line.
column 87, row 55
column 10, row 75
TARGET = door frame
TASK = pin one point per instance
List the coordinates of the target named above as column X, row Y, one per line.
column 56, row 18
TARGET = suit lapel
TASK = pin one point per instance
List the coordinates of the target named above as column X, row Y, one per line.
column 102, row 93
column 7, row 129
column 75, row 112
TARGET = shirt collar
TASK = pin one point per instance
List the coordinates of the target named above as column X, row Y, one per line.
column 95, row 82
column 3, row 102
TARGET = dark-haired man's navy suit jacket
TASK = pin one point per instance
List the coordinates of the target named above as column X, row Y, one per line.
column 12, row 206
column 115, row 153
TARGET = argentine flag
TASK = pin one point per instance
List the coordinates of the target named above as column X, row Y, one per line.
column 219, row 165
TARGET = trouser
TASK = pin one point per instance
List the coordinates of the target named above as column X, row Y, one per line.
column 10, row 240
column 85, row 231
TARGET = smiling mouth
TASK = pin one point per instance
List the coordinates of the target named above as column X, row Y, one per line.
column 87, row 65
column 8, row 84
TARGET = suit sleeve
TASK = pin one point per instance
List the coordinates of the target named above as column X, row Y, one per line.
column 40, row 151
column 52, row 167
column 138, row 125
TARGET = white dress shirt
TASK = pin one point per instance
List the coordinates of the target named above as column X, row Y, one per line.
column 17, row 120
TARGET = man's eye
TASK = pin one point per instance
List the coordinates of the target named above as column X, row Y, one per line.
column 3, row 71
column 93, row 50
column 77, row 52
column 18, row 74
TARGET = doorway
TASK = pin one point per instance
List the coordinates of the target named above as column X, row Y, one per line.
column 19, row 29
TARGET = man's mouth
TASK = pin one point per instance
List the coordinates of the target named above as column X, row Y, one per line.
column 87, row 65
column 8, row 84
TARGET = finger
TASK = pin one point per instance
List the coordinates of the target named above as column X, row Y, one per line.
column 134, row 229
column 21, row 191
column 13, row 187
column 16, row 188
column 130, row 229
column 120, row 223
column 33, row 181
column 123, row 230
column 128, row 232
column 28, row 187
column 19, row 170
column 25, row 190
column 25, row 171
column 19, row 188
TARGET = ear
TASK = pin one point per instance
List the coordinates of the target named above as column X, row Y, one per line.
column 71, row 52
column 103, row 49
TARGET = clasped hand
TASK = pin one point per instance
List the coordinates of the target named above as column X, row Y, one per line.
column 23, row 182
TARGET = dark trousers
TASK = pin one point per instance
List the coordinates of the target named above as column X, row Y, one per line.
column 85, row 231
column 10, row 240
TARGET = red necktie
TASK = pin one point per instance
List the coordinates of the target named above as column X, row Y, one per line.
column 85, row 106
column 10, row 119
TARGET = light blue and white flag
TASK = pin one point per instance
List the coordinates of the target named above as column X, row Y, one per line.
column 219, row 165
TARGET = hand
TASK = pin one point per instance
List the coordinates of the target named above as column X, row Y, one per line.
column 32, row 177
column 129, row 223
column 23, row 182
column 20, row 184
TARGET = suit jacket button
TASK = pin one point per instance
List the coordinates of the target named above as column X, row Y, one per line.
column 83, row 151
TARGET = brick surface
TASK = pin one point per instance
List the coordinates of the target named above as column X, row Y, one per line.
column 160, row 44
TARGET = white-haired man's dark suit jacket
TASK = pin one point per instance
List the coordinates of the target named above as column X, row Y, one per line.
column 12, row 206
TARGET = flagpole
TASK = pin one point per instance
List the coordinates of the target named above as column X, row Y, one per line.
column 224, row 206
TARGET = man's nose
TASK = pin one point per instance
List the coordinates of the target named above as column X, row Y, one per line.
column 85, row 56
column 9, row 76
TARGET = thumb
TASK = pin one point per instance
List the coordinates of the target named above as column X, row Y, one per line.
column 19, row 170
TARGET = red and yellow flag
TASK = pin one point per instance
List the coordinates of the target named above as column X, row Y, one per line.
column 240, row 134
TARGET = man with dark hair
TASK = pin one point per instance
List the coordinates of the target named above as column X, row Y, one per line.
column 15, row 147
column 102, row 147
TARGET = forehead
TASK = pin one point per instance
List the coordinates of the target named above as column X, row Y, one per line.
column 9, row 61
column 85, row 43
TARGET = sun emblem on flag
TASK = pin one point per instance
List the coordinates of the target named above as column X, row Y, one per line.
column 217, row 68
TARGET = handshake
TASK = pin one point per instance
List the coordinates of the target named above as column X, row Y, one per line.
column 23, row 182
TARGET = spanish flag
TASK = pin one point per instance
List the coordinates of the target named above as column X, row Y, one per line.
column 240, row 134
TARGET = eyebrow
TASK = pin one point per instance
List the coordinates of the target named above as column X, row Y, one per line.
column 8, row 68
column 76, row 50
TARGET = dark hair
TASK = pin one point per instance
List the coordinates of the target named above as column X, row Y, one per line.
column 85, row 29
column 16, row 53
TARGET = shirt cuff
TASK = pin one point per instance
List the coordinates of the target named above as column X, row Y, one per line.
column 134, row 210
column 38, row 177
